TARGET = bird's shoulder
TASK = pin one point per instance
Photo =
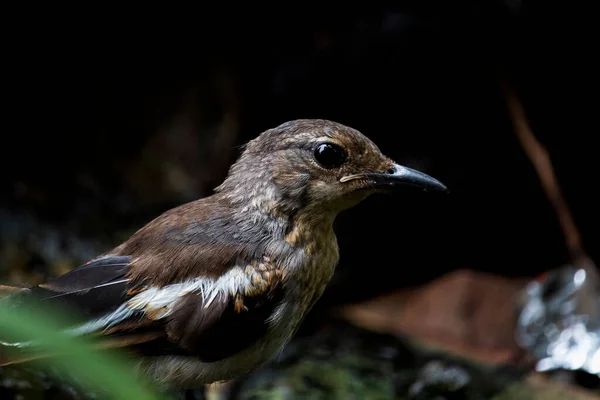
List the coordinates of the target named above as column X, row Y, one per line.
column 200, row 238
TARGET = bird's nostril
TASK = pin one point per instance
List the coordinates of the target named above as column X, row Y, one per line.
column 391, row 171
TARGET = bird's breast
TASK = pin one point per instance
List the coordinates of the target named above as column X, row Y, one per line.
column 307, row 274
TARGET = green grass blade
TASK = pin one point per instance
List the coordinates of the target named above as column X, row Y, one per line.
column 103, row 370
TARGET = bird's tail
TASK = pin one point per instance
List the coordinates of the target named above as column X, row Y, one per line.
column 22, row 352
column 8, row 290
column 5, row 292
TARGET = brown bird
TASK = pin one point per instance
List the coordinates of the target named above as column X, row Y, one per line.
column 210, row 290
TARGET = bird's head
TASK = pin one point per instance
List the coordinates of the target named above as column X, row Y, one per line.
column 316, row 164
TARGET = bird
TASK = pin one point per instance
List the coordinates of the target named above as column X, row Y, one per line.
column 210, row 290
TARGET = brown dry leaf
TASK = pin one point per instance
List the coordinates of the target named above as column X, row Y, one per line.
column 465, row 312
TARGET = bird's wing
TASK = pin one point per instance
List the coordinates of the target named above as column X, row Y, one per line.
column 211, row 318
column 89, row 291
column 184, row 293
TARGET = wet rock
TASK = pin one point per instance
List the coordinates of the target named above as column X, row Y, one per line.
column 437, row 380
column 361, row 364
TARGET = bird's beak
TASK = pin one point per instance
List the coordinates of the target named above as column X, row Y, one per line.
column 399, row 176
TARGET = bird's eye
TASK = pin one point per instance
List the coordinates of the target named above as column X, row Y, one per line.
column 329, row 155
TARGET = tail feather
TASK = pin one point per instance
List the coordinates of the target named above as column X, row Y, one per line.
column 84, row 293
column 8, row 290
column 9, row 355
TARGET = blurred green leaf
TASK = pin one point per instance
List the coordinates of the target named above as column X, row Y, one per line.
column 105, row 370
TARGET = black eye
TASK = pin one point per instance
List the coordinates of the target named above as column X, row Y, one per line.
column 330, row 155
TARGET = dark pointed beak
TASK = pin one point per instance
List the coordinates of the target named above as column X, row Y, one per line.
column 399, row 175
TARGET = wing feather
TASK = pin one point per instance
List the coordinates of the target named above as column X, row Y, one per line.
column 94, row 289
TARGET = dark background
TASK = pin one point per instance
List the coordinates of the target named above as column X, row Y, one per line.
column 109, row 123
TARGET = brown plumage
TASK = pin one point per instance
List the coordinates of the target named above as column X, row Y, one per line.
column 211, row 289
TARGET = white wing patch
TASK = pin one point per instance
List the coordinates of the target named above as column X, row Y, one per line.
column 158, row 303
